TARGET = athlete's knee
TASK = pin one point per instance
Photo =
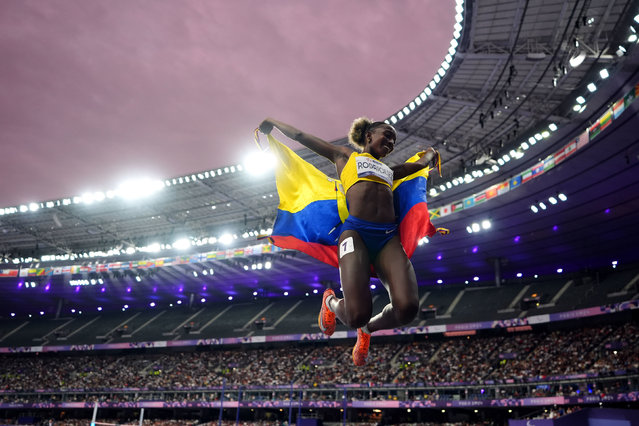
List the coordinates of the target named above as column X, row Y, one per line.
column 358, row 318
column 406, row 311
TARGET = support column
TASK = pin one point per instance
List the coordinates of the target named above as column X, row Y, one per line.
column 497, row 268
column 58, row 310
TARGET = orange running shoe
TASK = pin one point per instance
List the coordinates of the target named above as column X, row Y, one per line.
column 360, row 350
column 326, row 318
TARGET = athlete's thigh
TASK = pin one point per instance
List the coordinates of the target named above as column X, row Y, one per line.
column 396, row 273
column 354, row 269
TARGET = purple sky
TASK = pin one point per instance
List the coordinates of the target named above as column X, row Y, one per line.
column 96, row 92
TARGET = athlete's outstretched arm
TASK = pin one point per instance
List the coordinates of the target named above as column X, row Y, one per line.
column 406, row 169
column 320, row 146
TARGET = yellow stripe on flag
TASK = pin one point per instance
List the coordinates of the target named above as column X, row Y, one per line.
column 294, row 174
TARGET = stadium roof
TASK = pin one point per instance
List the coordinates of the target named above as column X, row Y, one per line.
column 508, row 78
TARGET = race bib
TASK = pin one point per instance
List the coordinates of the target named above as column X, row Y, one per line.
column 367, row 166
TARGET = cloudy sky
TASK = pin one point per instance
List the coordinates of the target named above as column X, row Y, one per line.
column 96, row 92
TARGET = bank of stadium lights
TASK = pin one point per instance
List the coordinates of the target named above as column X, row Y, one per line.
column 258, row 266
column 130, row 190
column 180, row 244
column 552, row 200
column 513, row 154
column 441, row 72
column 477, row 227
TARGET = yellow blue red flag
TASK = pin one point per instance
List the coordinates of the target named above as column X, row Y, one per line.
column 313, row 207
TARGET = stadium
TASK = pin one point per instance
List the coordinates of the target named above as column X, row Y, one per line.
column 178, row 309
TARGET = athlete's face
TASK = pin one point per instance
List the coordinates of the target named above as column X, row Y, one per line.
column 381, row 141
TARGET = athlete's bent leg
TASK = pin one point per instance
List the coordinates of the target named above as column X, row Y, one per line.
column 356, row 308
column 398, row 276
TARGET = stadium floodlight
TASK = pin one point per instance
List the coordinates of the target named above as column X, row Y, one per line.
column 485, row 224
column 267, row 265
column 33, row 207
column 542, row 205
column 552, row 200
column 552, row 127
column 604, row 73
column 580, row 100
column 577, row 59
column 562, row 197
column 139, row 188
column 475, row 227
column 259, row 163
column 534, row 208
column 592, row 87
column 181, row 244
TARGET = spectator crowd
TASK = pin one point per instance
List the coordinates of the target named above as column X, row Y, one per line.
column 516, row 358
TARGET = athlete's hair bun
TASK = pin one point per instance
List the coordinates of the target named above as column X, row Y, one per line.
column 357, row 134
